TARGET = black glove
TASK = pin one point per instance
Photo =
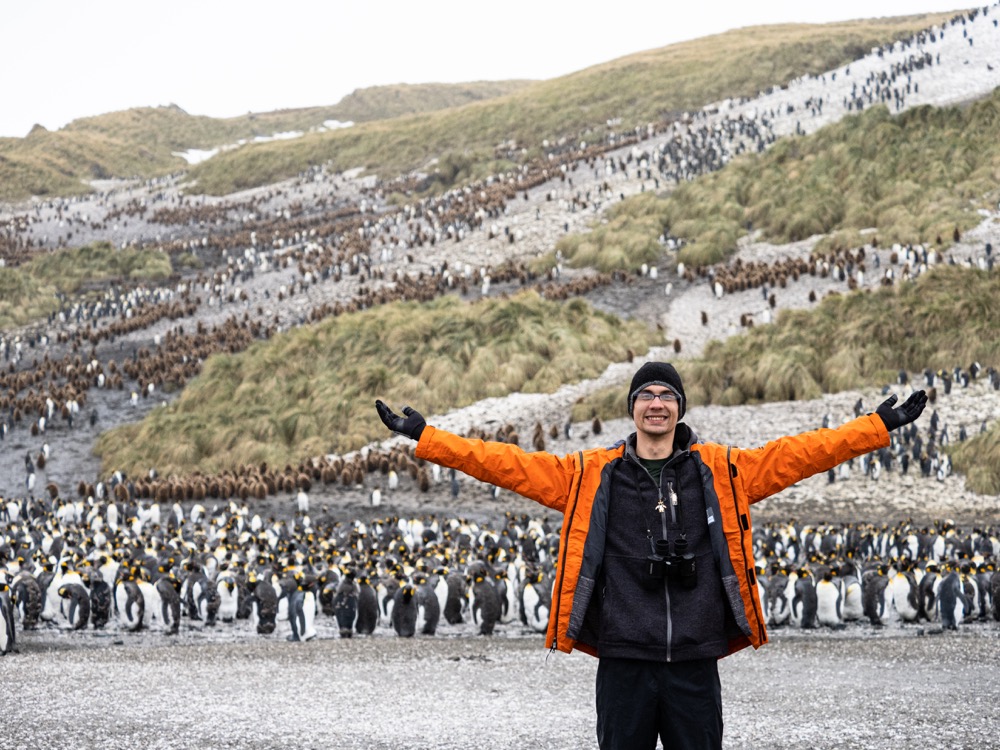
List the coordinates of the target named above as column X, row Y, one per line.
column 897, row 416
column 411, row 424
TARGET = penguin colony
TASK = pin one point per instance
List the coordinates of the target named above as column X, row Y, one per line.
column 82, row 569
column 829, row 576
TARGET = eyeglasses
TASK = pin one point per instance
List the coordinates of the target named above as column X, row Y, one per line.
column 649, row 396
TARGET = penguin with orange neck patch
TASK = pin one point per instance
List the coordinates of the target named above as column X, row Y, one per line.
column 8, row 641
column 302, row 608
column 484, row 602
column 804, row 603
column 404, row 611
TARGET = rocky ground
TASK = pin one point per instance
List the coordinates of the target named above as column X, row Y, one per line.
column 896, row 687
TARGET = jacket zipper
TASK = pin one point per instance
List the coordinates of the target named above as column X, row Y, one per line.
column 562, row 567
column 666, row 586
column 743, row 549
column 661, row 507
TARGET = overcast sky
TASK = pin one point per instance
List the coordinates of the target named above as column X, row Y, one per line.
column 64, row 59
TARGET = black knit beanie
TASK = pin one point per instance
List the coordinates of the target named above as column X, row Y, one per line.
column 657, row 373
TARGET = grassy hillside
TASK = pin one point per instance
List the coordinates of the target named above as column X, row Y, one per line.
column 979, row 459
column 640, row 88
column 28, row 292
column 857, row 340
column 311, row 391
column 142, row 141
column 915, row 177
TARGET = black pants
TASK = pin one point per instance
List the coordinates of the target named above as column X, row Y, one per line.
column 679, row 701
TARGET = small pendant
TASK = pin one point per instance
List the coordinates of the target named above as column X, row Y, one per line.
column 660, row 507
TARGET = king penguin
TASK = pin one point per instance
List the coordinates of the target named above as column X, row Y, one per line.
column 829, row 601
column 151, row 603
column 803, row 612
column 206, row 599
column 953, row 604
column 263, row 606
column 779, row 607
column 8, row 641
column 77, row 605
column 876, row 596
column 129, row 603
column 484, row 603
column 760, row 582
column 428, row 607
column 368, row 610
column 456, row 602
column 52, row 602
column 225, row 585
column 507, row 595
column 27, row 596
column 329, row 584
column 302, row 609
column 345, row 605
column 536, row 602
column 995, row 594
column 904, row 595
column 440, row 580
column 927, row 592
column 404, row 611
column 168, row 592
column 852, row 607
column 100, row 600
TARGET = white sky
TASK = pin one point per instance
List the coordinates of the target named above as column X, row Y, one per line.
column 64, row 59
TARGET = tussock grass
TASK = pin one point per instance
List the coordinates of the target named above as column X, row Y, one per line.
column 607, row 403
column 914, row 177
column 23, row 298
column 947, row 317
column 979, row 459
column 70, row 269
column 856, row 340
column 625, row 239
column 28, row 292
column 311, row 391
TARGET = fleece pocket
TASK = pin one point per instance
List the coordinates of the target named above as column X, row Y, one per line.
column 631, row 613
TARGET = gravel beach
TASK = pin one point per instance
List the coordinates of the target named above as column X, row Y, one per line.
column 897, row 687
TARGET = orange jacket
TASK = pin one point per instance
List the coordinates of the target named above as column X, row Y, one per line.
column 733, row 479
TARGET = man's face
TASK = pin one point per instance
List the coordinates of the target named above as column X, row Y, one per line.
column 657, row 416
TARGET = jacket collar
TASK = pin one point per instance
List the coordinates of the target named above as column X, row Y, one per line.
column 684, row 438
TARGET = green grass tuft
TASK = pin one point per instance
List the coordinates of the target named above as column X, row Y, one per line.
column 28, row 292
column 979, row 459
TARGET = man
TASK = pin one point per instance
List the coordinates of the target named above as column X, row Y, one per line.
column 656, row 569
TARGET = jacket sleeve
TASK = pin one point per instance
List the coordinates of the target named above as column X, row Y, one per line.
column 781, row 463
column 539, row 476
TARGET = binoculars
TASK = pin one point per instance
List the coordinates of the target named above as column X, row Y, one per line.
column 663, row 565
